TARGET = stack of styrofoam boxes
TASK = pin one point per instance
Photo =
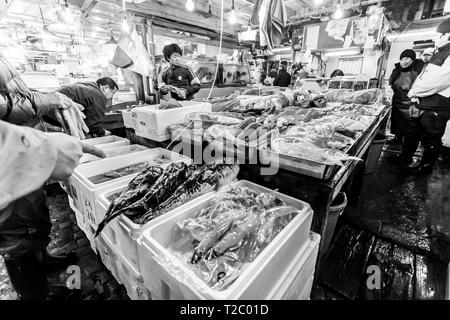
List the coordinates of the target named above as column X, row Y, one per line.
column 111, row 152
column 102, row 143
column 283, row 270
column 119, row 238
column 153, row 123
column 130, row 119
column 85, row 193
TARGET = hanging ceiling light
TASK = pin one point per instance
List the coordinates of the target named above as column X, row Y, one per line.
column 111, row 40
column 232, row 19
column 339, row 13
column 190, row 5
column 125, row 27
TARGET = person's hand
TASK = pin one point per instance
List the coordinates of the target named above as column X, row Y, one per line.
column 107, row 133
column 165, row 89
column 181, row 93
column 69, row 152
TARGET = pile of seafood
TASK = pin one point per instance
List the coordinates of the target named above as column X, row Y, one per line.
column 229, row 233
column 156, row 191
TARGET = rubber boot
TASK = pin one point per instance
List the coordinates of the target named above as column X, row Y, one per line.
column 429, row 158
column 446, row 155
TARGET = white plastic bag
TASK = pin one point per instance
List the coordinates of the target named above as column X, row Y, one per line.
column 446, row 136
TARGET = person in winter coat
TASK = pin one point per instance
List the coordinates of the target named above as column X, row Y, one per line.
column 177, row 78
column 24, row 221
column 401, row 80
column 431, row 108
column 283, row 78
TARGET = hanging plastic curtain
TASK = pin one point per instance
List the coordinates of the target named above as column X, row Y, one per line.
column 272, row 20
column 132, row 55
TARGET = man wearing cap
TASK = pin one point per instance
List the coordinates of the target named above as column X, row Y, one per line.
column 427, row 54
column 431, row 106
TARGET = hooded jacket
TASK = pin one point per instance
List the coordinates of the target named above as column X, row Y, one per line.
column 401, row 81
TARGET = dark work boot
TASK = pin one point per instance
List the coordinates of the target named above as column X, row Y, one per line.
column 429, row 158
column 58, row 260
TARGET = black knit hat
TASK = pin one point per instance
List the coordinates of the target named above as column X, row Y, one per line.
column 408, row 53
column 444, row 26
column 171, row 48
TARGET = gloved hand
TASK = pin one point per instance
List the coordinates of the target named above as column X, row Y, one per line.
column 181, row 93
column 74, row 119
column 60, row 101
column 69, row 152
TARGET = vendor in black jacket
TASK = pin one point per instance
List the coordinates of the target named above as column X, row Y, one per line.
column 401, row 80
column 177, row 78
column 92, row 96
column 283, row 78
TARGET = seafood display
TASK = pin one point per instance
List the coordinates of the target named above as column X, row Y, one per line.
column 156, row 191
column 229, row 233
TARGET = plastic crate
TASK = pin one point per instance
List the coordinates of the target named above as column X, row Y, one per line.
column 154, row 122
column 114, row 152
column 121, row 269
column 85, row 193
column 256, row 279
column 125, row 234
column 296, row 282
column 151, row 136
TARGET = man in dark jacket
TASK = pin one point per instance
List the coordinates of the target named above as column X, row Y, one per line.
column 401, row 80
column 93, row 97
column 431, row 108
column 283, row 78
column 177, row 78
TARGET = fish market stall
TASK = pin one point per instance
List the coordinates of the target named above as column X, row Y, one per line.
column 318, row 142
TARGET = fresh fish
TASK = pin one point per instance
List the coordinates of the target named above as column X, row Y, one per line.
column 234, row 236
column 163, row 188
column 205, row 179
column 136, row 189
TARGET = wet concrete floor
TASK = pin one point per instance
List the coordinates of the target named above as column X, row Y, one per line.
column 402, row 225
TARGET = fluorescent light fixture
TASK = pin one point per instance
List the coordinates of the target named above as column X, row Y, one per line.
column 428, row 33
column 346, row 52
column 317, row 2
column 190, row 5
column 281, row 49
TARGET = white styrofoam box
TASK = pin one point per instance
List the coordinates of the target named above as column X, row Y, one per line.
column 86, row 192
column 294, row 283
column 122, row 270
column 130, row 119
column 256, row 279
column 103, row 140
column 126, row 234
column 151, row 136
column 83, row 225
column 114, row 152
column 155, row 122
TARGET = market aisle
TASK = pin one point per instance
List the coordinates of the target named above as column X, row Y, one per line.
column 97, row 283
column 402, row 225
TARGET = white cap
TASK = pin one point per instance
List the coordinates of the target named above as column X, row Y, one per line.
column 429, row 51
